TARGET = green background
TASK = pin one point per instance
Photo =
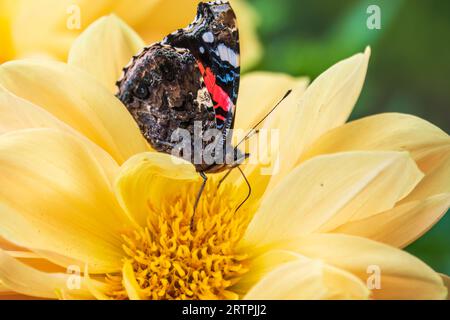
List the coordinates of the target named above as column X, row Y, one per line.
column 409, row 69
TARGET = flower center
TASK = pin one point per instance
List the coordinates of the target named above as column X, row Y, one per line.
column 172, row 260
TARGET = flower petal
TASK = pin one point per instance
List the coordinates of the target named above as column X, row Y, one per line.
column 326, row 104
column 429, row 146
column 401, row 225
column 258, row 94
column 436, row 180
column 327, row 191
column 58, row 199
column 401, row 275
column 446, row 280
column 388, row 131
column 308, row 280
column 75, row 98
column 22, row 279
column 130, row 283
column 6, row 10
column 261, row 265
column 295, row 280
column 40, row 29
column 104, row 49
column 150, row 179
column 264, row 89
column 132, row 15
column 17, row 113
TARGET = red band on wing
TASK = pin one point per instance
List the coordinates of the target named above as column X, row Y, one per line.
column 217, row 93
column 220, row 117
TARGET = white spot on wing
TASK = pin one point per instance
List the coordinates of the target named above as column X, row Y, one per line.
column 227, row 54
column 208, row 37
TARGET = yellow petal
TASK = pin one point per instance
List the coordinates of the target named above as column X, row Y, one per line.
column 50, row 26
column 57, row 198
column 339, row 284
column 328, row 191
column 326, row 104
column 151, row 179
column 6, row 13
column 17, row 113
column 258, row 94
column 436, row 180
column 104, row 49
column 37, row 261
column 132, row 15
column 401, row 275
column 39, row 28
column 343, row 285
column 401, row 225
column 308, row 280
column 130, row 283
column 6, row 245
column 388, row 131
column 22, row 279
column 98, row 292
column 75, row 98
column 429, row 146
column 297, row 280
column 261, row 265
column 446, row 280
column 3, row 288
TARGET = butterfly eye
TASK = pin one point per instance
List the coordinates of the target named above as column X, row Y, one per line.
column 141, row 92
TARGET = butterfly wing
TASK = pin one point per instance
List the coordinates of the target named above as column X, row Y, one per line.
column 213, row 39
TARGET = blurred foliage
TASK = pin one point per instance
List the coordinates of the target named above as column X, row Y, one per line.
column 409, row 70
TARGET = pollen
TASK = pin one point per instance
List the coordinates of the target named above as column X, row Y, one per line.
column 173, row 260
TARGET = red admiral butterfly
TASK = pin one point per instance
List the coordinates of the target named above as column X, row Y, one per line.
column 190, row 76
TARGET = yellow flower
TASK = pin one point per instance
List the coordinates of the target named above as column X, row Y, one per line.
column 82, row 192
column 31, row 28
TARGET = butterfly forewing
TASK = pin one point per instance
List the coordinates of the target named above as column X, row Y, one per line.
column 213, row 38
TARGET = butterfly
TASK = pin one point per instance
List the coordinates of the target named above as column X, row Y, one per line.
column 191, row 75
column 190, row 78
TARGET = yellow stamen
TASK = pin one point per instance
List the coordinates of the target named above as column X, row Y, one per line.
column 171, row 261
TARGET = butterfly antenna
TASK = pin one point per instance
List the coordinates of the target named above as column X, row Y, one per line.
column 249, row 189
column 252, row 131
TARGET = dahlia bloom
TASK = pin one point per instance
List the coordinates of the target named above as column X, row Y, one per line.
column 81, row 188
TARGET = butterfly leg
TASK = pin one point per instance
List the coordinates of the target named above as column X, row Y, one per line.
column 249, row 189
column 224, row 177
column 199, row 194
column 233, row 166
